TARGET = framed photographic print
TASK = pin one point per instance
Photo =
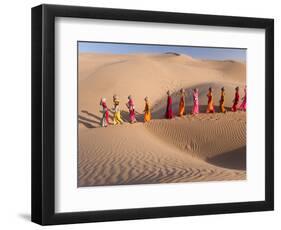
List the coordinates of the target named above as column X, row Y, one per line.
column 142, row 114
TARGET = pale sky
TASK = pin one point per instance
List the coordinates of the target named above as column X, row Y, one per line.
column 214, row 53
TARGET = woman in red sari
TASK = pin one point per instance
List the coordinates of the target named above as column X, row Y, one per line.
column 236, row 100
column 169, row 110
column 105, row 113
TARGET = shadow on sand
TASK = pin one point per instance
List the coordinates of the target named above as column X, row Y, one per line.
column 235, row 159
column 157, row 114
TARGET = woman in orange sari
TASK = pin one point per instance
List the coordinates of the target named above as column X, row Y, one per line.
column 147, row 113
column 223, row 110
column 210, row 107
column 182, row 103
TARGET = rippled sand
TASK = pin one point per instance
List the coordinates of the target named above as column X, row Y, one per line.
column 205, row 147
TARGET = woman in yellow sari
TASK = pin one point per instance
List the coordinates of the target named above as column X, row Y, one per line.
column 182, row 103
column 147, row 113
column 117, row 112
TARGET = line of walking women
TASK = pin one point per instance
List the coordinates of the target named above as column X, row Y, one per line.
column 117, row 119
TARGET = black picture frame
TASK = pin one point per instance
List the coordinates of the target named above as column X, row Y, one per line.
column 43, row 114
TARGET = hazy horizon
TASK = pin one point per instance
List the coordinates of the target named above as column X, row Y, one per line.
column 213, row 53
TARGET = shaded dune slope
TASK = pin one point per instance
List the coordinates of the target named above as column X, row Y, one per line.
column 205, row 136
column 151, row 75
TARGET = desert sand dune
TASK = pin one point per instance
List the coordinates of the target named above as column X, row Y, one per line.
column 145, row 154
column 152, row 75
column 204, row 147
column 203, row 136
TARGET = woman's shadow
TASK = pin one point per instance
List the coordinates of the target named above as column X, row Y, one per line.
column 92, row 122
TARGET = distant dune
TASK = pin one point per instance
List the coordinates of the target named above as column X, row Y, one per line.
column 195, row 148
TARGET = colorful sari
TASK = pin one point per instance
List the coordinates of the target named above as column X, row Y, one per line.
column 210, row 107
column 147, row 113
column 181, row 106
column 195, row 109
column 105, row 115
column 131, row 108
column 244, row 102
column 222, row 102
column 235, row 102
column 169, row 110
column 117, row 113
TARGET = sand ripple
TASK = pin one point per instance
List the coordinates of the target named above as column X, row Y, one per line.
column 155, row 153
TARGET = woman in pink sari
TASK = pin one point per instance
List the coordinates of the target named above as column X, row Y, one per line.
column 195, row 109
column 131, row 108
column 169, row 110
column 235, row 100
column 244, row 102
